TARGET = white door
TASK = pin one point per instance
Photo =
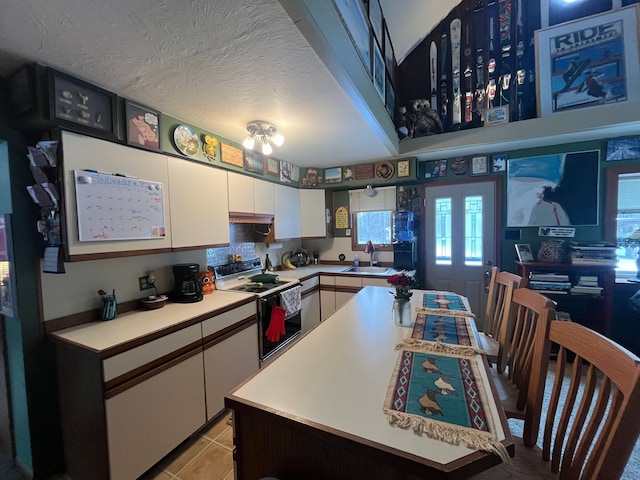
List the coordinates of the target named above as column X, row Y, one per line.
column 459, row 239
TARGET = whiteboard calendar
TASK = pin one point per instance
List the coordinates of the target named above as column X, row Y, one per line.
column 112, row 207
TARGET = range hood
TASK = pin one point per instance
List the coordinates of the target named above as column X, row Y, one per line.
column 254, row 218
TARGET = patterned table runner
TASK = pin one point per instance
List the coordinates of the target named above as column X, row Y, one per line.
column 444, row 328
column 438, row 391
column 444, row 301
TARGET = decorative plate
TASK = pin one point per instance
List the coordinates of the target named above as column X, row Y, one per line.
column 186, row 140
column 384, row 170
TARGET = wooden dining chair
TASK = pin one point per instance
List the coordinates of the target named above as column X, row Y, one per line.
column 493, row 338
column 527, row 312
column 590, row 426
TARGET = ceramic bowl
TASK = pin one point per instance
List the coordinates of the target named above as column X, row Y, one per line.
column 153, row 302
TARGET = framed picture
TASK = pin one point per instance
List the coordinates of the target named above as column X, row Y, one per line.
column 8, row 305
column 436, row 169
column 623, row 149
column 496, row 115
column 231, row 155
column 333, row 175
column 82, row 107
column 253, row 162
column 272, row 167
column 403, row 168
column 499, row 162
column 379, row 73
column 355, row 20
column 588, row 62
column 460, row 165
column 375, row 17
column 479, row 165
column 143, row 126
column 364, row 171
column 523, row 251
column 553, row 190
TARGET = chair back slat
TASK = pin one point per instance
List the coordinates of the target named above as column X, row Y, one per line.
column 591, row 425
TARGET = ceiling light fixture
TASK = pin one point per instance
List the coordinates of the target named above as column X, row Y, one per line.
column 369, row 191
column 266, row 133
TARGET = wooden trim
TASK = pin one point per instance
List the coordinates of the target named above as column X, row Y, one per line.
column 154, row 368
column 345, row 289
column 231, row 330
column 310, row 291
column 83, row 257
column 199, row 247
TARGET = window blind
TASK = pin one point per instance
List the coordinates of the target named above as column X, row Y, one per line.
column 629, row 193
column 385, row 199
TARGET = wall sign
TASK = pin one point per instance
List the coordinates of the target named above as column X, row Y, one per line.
column 342, row 217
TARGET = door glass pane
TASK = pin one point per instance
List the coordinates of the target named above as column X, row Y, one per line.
column 442, row 220
column 473, row 231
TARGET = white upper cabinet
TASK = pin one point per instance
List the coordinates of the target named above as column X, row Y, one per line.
column 86, row 153
column 287, row 212
column 313, row 221
column 199, row 204
column 240, row 193
column 263, row 197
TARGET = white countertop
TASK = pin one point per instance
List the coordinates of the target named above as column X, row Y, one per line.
column 106, row 334
column 337, row 376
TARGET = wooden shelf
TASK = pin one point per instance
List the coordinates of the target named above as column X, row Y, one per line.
column 598, row 315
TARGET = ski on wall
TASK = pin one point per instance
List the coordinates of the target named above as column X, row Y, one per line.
column 479, row 36
column 468, row 74
column 455, row 32
column 504, row 15
column 491, row 89
column 433, row 73
column 444, row 98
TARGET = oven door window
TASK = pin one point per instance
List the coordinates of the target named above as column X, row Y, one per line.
column 292, row 327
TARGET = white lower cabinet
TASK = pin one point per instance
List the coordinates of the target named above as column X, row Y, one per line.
column 327, row 296
column 228, row 363
column 148, row 420
column 310, row 303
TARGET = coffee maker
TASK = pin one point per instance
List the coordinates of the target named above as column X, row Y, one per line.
column 186, row 286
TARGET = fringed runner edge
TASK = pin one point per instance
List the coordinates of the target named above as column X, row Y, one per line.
column 451, row 434
column 444, row 312
column 438, row 347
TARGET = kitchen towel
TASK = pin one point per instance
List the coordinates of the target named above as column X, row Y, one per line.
column 291, row 300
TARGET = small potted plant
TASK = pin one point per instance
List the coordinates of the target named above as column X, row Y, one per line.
column 403, row 283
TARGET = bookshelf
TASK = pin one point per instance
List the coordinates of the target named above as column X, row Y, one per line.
column 591, row 309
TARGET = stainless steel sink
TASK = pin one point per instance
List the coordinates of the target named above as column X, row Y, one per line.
column 368, row 270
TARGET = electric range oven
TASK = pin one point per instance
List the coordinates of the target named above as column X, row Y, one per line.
column 236, row 277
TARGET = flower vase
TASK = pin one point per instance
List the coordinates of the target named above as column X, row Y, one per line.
column 402, row 312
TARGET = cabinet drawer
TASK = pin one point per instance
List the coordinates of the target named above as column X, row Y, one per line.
column 348, row 281
column 375, row 282
column 147, row 421
column 139, row 356
column 327, row 280
column 310, row 283
column 226, row 319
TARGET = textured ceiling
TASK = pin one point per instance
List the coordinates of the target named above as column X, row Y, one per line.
column 217, row 65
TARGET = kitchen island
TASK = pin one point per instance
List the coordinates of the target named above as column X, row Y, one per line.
column 316, row 412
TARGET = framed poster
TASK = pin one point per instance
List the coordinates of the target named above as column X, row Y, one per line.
column 553, row 190
column 143, row 126
column 272, row 167
column 82, row 107
column 375, row 17
column 379, row 73
column 588, row 62
column 355, row 20
column 623, row 149
column 253, row 162
column 231, row 155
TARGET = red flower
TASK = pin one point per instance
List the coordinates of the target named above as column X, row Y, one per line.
column 403, row 284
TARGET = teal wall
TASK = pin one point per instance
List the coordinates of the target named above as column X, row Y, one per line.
column 31, row 357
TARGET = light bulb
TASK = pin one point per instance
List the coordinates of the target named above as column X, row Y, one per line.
column 278, row 139
column 248, row 142
column 266, row 148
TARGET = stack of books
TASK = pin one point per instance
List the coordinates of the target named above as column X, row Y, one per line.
column 587, row 285
column 593, row 253
column 547, row 282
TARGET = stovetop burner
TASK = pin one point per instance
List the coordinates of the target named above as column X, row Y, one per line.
column 257, row 287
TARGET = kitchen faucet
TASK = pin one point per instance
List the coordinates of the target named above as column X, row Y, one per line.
column 370, row 249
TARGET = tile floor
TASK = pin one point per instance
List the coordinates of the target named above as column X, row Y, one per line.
column 206, row 455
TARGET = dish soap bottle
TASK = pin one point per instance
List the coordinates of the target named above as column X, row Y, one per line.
column 267, row 263
column 356, row 261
